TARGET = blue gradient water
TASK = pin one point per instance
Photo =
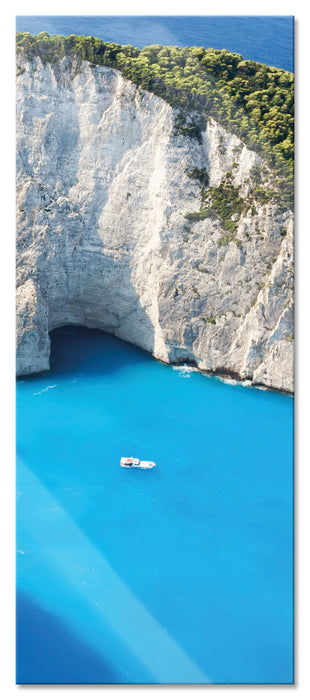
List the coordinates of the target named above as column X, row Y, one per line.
column 266, row 39
column 179, row 574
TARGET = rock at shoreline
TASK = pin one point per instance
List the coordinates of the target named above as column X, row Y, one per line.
column 32, row 338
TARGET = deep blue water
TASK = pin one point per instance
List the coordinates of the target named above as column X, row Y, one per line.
column 179, row 574
column 267, row 39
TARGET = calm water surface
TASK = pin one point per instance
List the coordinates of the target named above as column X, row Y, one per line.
column 178, row 574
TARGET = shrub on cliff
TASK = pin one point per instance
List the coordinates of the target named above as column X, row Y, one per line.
column 252, row 100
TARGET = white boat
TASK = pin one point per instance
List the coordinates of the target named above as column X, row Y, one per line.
column 132, row 462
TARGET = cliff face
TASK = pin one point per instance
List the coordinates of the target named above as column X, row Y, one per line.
column 103, row 187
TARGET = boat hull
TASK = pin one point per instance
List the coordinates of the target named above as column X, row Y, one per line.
column 141, row 465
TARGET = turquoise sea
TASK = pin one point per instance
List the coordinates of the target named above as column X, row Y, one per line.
column 180, row 574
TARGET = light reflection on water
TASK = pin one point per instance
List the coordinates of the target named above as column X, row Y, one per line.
column 182, row 573
column 88, row 576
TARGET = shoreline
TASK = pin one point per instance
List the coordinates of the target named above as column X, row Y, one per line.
column 227, row 377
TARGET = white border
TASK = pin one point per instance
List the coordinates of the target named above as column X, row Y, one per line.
column 302, row 468
column 160, row 7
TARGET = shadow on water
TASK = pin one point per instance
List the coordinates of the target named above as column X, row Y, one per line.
column 47, row 649
column 78, row 349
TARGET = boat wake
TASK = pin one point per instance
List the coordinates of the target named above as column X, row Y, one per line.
column 52, row 386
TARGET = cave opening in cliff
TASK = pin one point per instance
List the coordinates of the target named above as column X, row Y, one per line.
column 76, row 348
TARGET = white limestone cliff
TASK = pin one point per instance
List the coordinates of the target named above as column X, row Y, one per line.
column 102, row 240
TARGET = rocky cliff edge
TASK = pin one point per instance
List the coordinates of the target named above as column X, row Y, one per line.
column 119, row 228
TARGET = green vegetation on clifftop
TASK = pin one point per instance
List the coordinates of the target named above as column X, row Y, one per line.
column 251, row 100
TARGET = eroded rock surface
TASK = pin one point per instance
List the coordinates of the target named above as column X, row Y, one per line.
column 32, row 330
column 103, row 188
